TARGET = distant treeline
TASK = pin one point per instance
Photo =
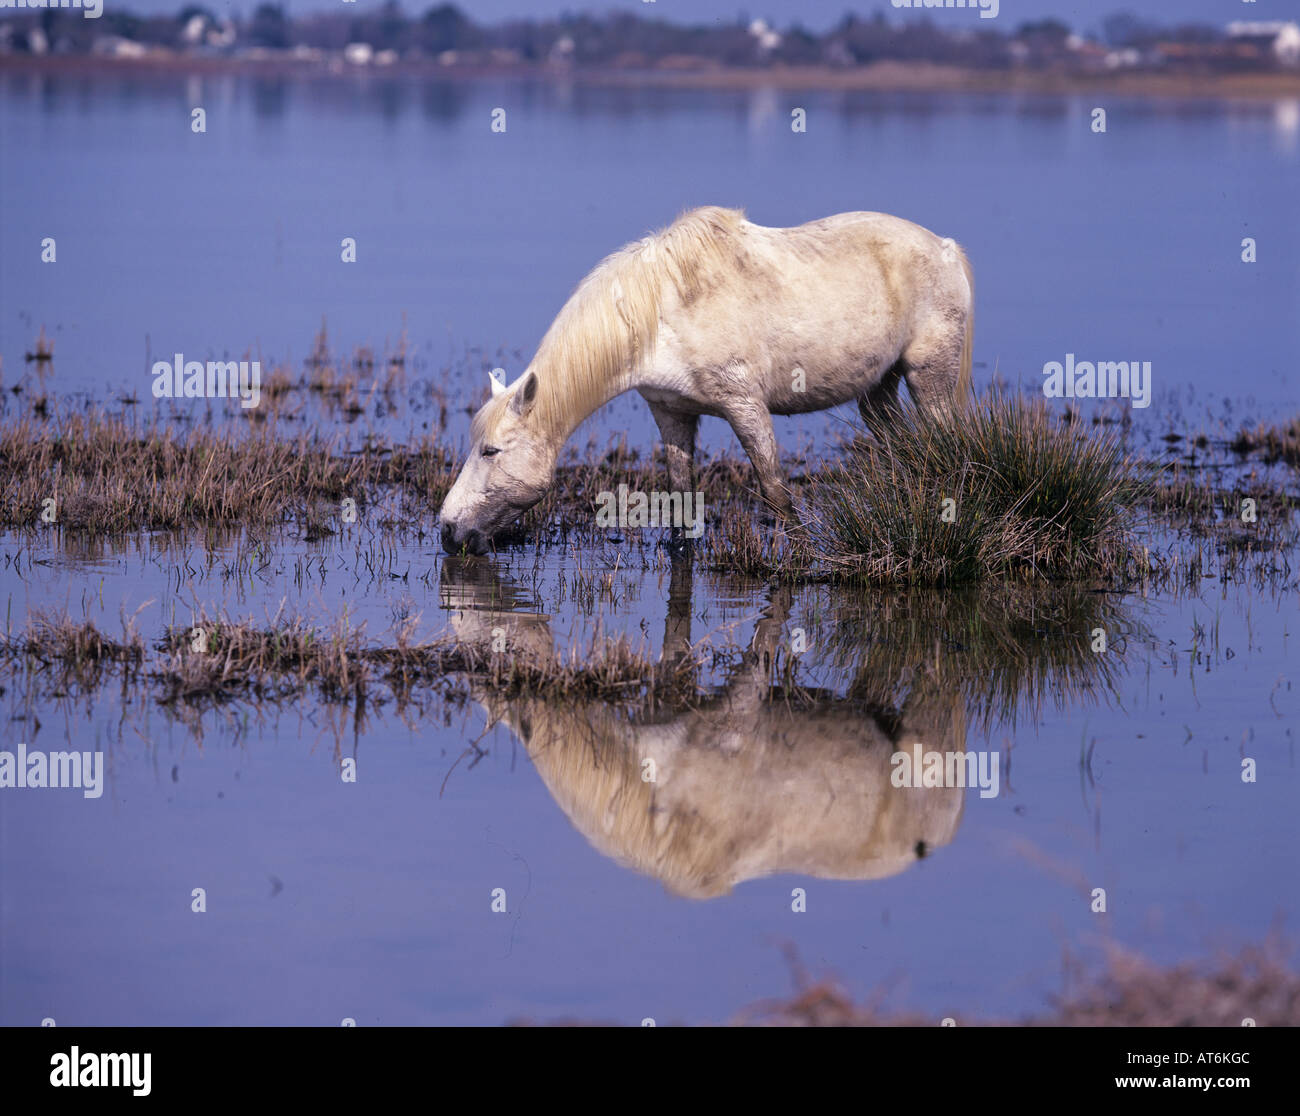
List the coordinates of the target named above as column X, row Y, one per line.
column 447, row 34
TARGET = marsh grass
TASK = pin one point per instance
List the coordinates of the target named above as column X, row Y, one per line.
column 214, row 660
column 210, row 661
column 568, row 511
column 107, row 475
column 610, row 669
column 1271, row 442
column 997, row 648
column 54, row 637
column 740, row 545
column 1033, row 498
column 1193, row 501
column 77, row 651
column 1256, row 983
column 1002, row 491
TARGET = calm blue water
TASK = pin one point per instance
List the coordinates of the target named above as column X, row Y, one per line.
column 1117, row 246
column 372, row 900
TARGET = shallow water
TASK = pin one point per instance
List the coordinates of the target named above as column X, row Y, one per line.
column 372, row 900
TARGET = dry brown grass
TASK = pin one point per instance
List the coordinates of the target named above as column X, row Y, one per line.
column 1272, row 443
column 75, row 652
column 107, row 475
column 215, row 660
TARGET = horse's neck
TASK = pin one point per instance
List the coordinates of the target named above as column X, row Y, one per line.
column 572, row 410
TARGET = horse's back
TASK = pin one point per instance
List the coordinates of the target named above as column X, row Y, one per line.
column 817, row 314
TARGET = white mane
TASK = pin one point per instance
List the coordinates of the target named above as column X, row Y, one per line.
column 613, row 316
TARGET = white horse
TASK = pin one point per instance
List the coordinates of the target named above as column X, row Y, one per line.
column 717, row 316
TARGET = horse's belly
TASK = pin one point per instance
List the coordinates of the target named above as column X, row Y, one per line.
column 802, row 388
column 801, row 403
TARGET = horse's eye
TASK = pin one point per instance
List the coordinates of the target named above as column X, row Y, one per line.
column 490, row 451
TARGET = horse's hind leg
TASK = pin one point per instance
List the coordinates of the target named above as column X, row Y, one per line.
column 879, row 405
column 932, row 369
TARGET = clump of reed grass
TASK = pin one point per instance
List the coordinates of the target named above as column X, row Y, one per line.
column 1273, row 442
column 215, row 660
column 62, row 639
column 1000, row 491
column 76, row 650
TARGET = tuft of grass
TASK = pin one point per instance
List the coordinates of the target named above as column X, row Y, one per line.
column 78, row 650
column 62, row 639
column 1001, row 491
column 216, row 660
column 1273, row 443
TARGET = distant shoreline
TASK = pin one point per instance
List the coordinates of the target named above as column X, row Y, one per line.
column 890, row 76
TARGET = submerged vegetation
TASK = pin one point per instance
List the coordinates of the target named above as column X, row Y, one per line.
column 1271, row 442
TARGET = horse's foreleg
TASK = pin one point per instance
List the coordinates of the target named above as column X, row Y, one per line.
column 753, row 426
column 677, row 430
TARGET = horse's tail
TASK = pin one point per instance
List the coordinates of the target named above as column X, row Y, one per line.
column 967, row 341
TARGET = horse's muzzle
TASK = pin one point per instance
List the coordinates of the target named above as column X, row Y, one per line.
column 472, row 540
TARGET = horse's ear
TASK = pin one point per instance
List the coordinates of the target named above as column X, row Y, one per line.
column 525, row 395
column 498, row 385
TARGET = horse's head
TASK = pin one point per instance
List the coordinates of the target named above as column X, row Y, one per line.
column 509, row 468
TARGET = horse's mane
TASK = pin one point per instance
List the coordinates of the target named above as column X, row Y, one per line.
column 613, row 316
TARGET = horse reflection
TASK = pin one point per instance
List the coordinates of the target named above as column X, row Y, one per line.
column 752, row 782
